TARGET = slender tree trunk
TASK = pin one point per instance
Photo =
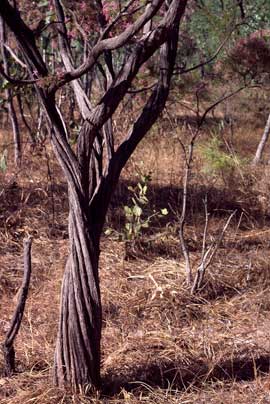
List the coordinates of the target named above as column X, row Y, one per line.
column 10, row 102
column 15, row 130
column 258, row 156
column 77, row 355
column 24, row 120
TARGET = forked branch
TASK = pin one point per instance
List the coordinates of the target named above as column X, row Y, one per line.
column 208, row 254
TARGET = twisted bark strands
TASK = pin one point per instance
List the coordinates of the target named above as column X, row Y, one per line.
column 79, row 333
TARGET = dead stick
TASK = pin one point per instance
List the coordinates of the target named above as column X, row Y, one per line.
column 8, row 348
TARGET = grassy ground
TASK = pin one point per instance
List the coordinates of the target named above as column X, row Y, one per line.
column 159, row 344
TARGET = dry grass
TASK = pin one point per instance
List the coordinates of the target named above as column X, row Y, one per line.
column 159, row 344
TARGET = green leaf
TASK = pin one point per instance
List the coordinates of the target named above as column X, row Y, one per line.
column 6, row 84
column 137, row 211
column 43, row 3
column 128, row 227
column 137, row 229
column 143, row 200
column 49, row 18
column 127, row 210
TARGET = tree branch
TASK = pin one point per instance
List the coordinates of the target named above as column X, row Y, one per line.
column 150, row 112
column 83, row 101
column 142, row 52
column 15, row 57
column 17, row 82
column 111, row 44
column 180, row 70
column 25, row 38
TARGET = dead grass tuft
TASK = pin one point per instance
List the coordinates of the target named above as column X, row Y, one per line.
column 159, row 344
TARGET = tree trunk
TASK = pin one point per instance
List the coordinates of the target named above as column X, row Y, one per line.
column 15, row 129
column 90, row 173
column 258, row 156
column 10, row 101
column 77, row 356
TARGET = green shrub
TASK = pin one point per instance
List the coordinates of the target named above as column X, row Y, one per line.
column 218, row 163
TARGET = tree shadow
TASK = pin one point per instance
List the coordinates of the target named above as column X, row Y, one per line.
column 18, row 203
column 53, row 201
column 181, row 376
column 220, row 201
column 161, row 237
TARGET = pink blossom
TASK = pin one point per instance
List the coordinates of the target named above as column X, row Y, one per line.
column 72, row 33
column 106, row 11
column 83, row 6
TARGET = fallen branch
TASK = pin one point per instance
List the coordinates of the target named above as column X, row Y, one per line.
column 8, row 348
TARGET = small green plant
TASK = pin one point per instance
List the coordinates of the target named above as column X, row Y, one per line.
column 138, row 215
column 216, row 160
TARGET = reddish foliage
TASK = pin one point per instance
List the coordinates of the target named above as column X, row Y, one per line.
column 251, row 55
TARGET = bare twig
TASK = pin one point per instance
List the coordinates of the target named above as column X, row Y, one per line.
column 180, row 70
column 209, row 254
column 17, row 82
column 222, row 99
column 15, row 57
column 217, row 242
column 121, row 13
column 141, row 90
column 8, row 348
column 205, row 226
column 188, row 162
column 24, row 120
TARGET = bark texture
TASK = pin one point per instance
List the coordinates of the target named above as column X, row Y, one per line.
column 77, row 355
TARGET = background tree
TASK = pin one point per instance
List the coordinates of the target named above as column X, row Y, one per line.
column 114, row 54
column 9, row 98
column 250, row 59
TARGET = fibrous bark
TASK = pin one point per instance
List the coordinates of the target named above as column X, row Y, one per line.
column 77, row 356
